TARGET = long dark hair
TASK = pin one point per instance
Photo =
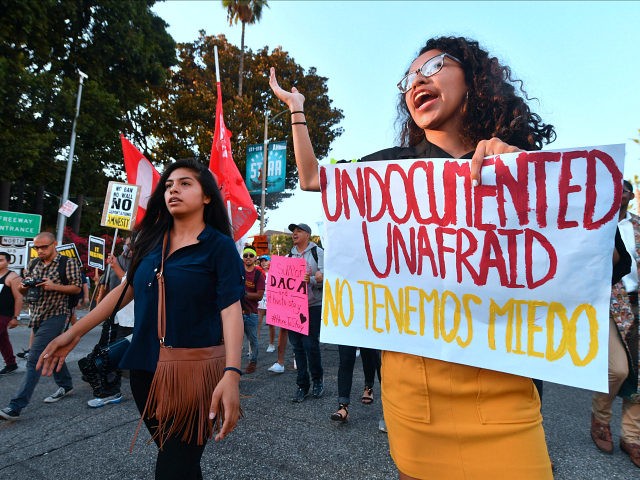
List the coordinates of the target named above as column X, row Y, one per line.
column 493, row 107
column 158, row 220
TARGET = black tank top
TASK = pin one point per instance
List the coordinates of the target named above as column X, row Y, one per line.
column 7, row 301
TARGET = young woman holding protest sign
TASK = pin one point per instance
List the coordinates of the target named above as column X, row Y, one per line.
column 185, row 243
column 447, row 420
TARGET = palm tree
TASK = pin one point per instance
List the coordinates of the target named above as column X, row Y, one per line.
column 248, row 12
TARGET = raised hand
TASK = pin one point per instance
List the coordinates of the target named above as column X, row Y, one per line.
column 294, row 99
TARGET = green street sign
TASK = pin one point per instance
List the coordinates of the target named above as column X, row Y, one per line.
column 15, row 224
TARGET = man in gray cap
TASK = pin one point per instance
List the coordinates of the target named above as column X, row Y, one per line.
column 306, row 348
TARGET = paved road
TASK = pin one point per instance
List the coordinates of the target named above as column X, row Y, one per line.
column 276, row 439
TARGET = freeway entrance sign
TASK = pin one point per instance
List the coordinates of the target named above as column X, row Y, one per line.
column 16, row 224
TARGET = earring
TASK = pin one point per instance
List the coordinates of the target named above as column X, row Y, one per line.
column 465, row 104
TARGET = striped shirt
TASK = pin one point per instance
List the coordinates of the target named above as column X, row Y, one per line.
column 52, row 303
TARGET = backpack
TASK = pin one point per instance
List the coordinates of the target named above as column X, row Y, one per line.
column 314, row 253
column 62, row 272
column 257, row 276
column 259, row 272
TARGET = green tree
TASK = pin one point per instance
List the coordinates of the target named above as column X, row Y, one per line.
column 125, row 50
column 248, row 12
column 280, row 244
column 183, row 112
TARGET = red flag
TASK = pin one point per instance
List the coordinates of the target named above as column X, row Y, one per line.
column 232, row 186
column 141, row 172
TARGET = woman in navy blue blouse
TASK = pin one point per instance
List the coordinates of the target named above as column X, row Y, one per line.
column 203, row 283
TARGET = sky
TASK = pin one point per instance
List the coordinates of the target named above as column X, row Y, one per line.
column 577, row 59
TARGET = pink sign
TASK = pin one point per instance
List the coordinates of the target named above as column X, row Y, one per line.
column 287, row 304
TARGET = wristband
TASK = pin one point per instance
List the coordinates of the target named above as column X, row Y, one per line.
column 233, row 369
column 298, row 123
column 297, row 111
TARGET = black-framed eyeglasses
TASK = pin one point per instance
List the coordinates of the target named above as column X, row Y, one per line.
column 42, row 247
column 248, row 255
column 428, row 69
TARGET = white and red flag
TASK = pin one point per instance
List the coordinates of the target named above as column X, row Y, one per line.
column 141, row 172
column 232, row 187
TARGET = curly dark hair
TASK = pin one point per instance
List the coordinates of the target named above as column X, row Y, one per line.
column 493, row 107
column 158, row 220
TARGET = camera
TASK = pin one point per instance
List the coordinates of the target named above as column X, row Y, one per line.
column 32, row 282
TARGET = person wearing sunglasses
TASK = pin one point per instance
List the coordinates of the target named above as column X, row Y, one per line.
column 254, row 286
column 455, row 101
column 49, row 292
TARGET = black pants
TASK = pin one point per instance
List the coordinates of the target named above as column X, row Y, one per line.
column 370, row 366
column 110, row 384
column 306, row 349
column 177, row 460
column 540, row 386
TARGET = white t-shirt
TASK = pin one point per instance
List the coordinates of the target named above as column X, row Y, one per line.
column 125, row 316
column 630, row 281
column 262, row 304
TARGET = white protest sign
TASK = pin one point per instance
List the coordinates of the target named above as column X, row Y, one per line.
column 120, row 206
column 67, row 208
column 512, row 275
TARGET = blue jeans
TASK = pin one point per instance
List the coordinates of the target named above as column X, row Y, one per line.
column 306, row 349
column 251, row 331
column 49, row 329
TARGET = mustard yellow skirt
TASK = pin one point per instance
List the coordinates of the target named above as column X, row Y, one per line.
column 451, row 421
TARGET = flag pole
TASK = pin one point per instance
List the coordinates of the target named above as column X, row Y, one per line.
column 215, row 55
column 113, row 249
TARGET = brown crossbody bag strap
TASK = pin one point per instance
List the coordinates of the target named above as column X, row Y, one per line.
column 162, row 312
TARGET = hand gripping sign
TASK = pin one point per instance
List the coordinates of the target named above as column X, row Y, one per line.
column 512, row 275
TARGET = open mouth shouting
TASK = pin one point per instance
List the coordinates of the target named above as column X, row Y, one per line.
column 423, row 98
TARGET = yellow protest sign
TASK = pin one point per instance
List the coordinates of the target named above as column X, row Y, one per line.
column 120, row 206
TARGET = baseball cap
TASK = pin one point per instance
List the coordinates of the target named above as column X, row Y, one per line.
column 264, row 257
column 301, row 226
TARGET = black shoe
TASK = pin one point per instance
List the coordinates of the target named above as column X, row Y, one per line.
column 300, row 395
column 8, row 369
column 9, row 414
column 23, row 354
column 318, row 389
